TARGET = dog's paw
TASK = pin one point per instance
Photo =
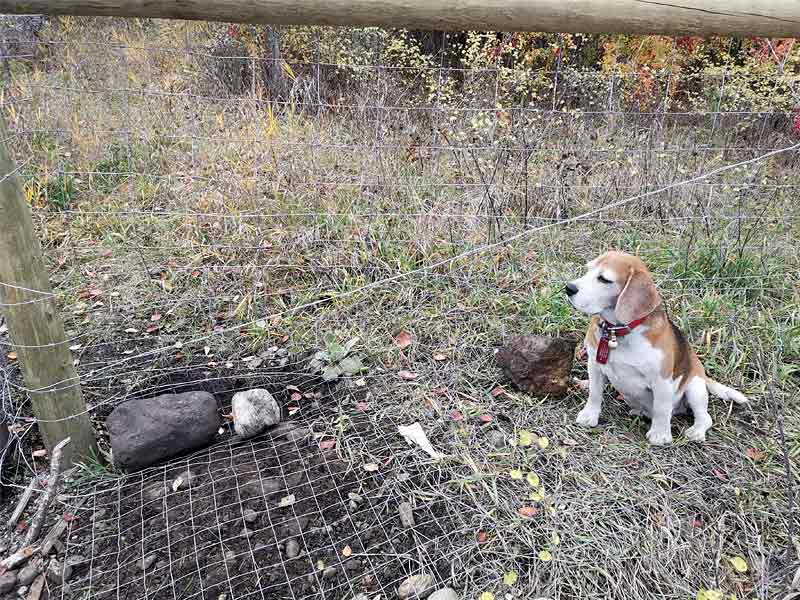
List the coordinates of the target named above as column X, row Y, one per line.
column 588, row 417
column 697, row 432
column 658, row 437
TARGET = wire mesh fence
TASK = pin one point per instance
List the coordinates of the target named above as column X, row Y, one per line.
column 217, row 204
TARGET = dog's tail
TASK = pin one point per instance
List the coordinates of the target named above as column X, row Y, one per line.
column 724, row 392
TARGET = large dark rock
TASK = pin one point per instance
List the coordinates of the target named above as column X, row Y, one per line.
column 149, row 430
column 538, row 365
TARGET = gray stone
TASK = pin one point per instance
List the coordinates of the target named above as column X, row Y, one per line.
column 329, row 573
column 292, row 549
column 22, row 591
column 246, row 533
column 250, row 516
column 416, row 586
column 58, row 572
column 8, row 582
column 147, row 562
column 29, row 573
column 148, row 430
column 406, row 514
column 254, row 411
column 444, row 594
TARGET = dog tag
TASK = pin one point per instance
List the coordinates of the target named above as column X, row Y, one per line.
column 602, row 351
column 612, row 343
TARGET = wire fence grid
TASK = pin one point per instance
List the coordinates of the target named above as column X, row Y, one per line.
column 217, row 209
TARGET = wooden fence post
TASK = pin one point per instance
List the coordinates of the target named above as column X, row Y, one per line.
column 35, row 324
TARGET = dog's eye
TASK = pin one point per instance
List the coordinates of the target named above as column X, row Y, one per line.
column 602, row 279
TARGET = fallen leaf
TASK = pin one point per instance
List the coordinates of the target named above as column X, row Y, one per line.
column 543, row 442
column 525, row 438
column 545, row 556
column 537, row 495
column 533, row 479
column 39, row 453
column 371, row 467
column 555, row 539
column 569, row 442
column 360, row 382
column 755, row 454
column 456, row 415
column 12, row 356
column 286, row 501
column 481, row 537
column 69, row 517
column 439, row 357
column 362, row 406
column 347, row 551
column 485, row 418
column 695, row 522
column 704, row 594
column 296, row 397
column 152, row 328
column 407, row 375
column 498, row 391
column 486, row 596
column 177, row 484
column 156, row 317
column 402, row 340
column 738, row 563
column 719, row 475
column 131, row 330
column 327, row 444
column 510, row 578
column 528, row 511
column 515, row 474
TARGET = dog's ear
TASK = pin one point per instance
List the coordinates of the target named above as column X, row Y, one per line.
column 639, row 297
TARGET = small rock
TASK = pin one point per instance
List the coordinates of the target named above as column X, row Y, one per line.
column 538, row 365
column 329, row 573
column 246, row 533
column 155, row 492
column 497, row 439
column 406, row 514
column 416, row 586
column 98, row 515
column 147, row 562
column 147, row 430
column 29, row 573
column 444, row 594
column 8, row 581
column 185, row 480
column 22, row 591
column 230, row 556
column 353, row 564
column 353, row 505
column 250, row 516
column 58, row 572
column 254, row 411
column 292, row 549
column 355, row 497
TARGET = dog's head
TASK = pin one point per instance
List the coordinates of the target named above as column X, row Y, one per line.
column 616, row 282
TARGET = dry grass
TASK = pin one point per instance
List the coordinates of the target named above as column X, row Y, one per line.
column 172, row 214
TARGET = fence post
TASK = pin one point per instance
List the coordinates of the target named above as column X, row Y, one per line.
column 35, row 323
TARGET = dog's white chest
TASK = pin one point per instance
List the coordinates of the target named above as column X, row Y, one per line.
column 632, row 368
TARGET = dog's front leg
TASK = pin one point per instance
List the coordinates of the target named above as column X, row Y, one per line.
column 590, row 413
column 660, row 432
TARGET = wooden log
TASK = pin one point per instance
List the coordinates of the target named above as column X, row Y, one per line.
column 35, row 324
column 768, row 18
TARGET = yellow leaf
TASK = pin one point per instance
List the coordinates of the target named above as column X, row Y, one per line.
column 347, row 551
column 533, row 479
column 525, row 438
column 515, row 474
column 555, row 538
column 545, row 556
column 510, row 578
column 486, row 596
column 704, row 594
column 738, row 563
column 543, row 442
column 536, row 496
column 288, row 70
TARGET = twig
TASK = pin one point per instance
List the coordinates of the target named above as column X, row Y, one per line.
column 50, row 493
column 23, row 502
column 787, row 464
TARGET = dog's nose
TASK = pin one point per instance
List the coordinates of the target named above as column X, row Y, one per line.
column 571, row 289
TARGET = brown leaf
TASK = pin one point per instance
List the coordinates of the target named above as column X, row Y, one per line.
column 755, row 454
column 327, row 444
column 481, row 537
column 12, row 356
column 362, row 406
column 402, row 340
column 719, row 475
column 296, row 397
column 439, row 357
column 485, row 418
column 407, row 375
column 152, row 328
column 498, row 391
column 69, row 517
column 456, row 415
column 528, row 512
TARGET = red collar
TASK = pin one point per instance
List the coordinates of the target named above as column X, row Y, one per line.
column 609, row 334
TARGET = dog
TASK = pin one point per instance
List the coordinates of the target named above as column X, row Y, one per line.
column 632, row 344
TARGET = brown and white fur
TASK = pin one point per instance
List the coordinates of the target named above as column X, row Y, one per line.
column 653, row 366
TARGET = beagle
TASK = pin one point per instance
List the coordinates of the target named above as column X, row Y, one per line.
column 633, row 345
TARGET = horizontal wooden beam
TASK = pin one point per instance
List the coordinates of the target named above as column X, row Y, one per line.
column 767, row 18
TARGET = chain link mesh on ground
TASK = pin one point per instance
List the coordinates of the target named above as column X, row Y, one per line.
column 217, row 204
